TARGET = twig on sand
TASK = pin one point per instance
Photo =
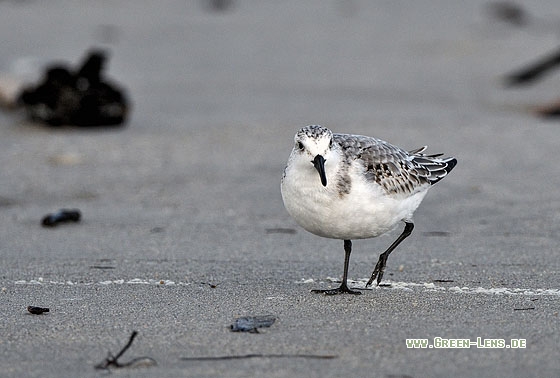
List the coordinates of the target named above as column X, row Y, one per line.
column 112, row 361
column 260, row 355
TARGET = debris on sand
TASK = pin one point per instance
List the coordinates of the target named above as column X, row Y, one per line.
column 252, row 323
column 508, row 12
column 37, row 310
column 77, row 97
column 61, row 216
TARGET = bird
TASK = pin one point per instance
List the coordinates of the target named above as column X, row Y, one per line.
column 347, row 187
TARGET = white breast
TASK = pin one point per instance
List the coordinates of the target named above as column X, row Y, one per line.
column 365, row 212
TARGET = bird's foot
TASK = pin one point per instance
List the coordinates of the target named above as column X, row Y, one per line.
column 343, row 289
column 378, row 271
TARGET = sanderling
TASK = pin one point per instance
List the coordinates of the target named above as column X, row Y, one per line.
column 364, row 188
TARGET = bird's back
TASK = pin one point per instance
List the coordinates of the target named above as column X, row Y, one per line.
column 398, row 172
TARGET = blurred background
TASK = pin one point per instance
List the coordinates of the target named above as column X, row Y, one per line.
column 195, row 62
column 218, row 89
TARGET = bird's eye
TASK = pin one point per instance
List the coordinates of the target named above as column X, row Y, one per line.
column 301, row 146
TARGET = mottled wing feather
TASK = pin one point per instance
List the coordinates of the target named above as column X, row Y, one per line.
column 398, row 172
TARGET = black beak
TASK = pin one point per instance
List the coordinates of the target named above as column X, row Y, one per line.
column 319, row 163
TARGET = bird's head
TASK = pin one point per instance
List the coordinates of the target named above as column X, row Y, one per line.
column 314, row 143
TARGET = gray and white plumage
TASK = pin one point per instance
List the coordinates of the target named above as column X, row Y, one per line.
column 347, row 187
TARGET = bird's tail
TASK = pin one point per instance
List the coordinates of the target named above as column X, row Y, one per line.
column 434, row 167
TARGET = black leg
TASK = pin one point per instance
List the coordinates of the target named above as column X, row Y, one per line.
column 380, row 267
column 344, row 286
